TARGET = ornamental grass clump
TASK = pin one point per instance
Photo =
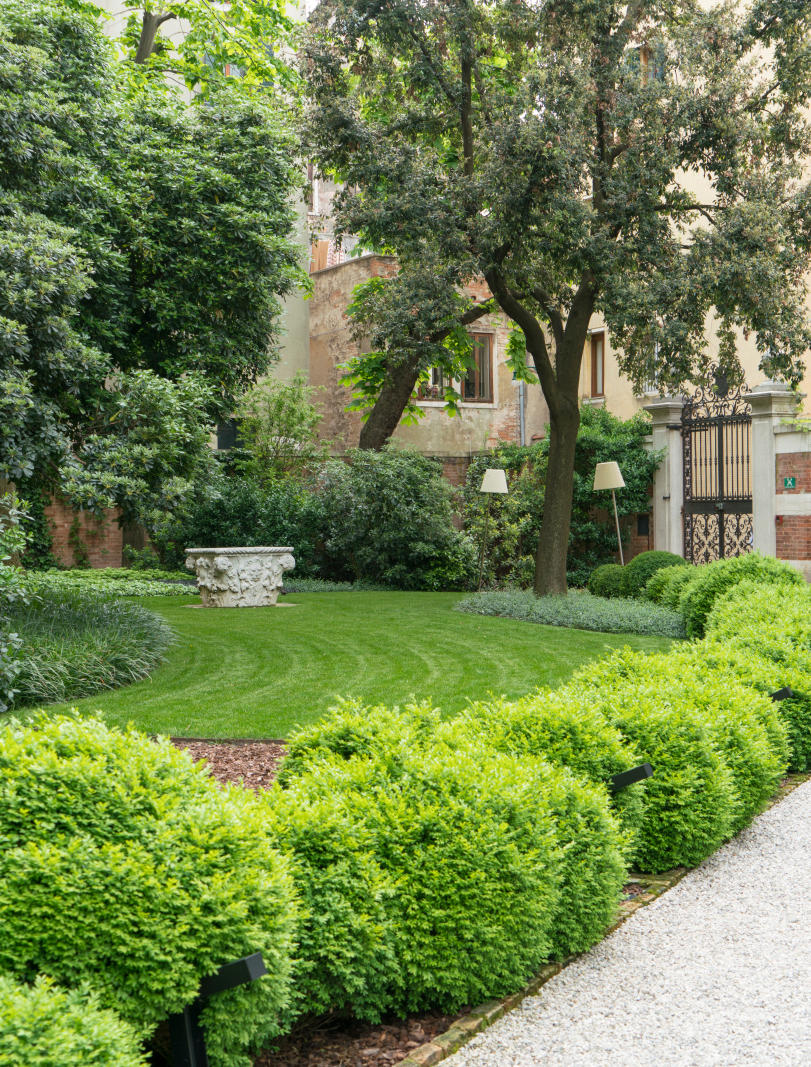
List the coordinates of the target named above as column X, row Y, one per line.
column 441, row 877
column 74, row 644
column 124, row 866
column 705, row 586
column 42, row 1025
column 559, row 729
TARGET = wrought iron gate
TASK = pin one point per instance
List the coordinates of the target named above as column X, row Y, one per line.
column 716, row 443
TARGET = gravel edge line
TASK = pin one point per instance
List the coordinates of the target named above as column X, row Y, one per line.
column 480, row 1018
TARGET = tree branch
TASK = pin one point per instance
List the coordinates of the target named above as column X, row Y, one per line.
column 555, row 317
column 150, row 23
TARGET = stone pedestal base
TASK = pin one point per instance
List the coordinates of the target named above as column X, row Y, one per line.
column 239, row 577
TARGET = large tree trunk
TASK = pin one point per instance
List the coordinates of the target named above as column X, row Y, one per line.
column 553, row 542
column 390, row 404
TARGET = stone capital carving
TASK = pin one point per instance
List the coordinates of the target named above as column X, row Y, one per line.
column 239, row 577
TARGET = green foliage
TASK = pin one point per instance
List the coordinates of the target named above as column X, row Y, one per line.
column 641, row 569
column 75, row 643
column 352, row 728
column 12, row 592
column 238, row 511
column 145, row 245
column 515, row 519
column 41, row 1025
column 713, row 758
column 388, row 518
column 579, row 610
column 126, row 867
column 112, row 582
column 467, row 860
column 772, row 622
column 670, row 584
column 657, row 585
column 561, row 731
column 278, row 431
column 707, row 584
column 607, row 580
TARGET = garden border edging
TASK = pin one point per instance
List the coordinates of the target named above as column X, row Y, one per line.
column 480, row 1018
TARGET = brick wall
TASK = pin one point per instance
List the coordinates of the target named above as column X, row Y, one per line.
column 101, row 537
column 793, row 532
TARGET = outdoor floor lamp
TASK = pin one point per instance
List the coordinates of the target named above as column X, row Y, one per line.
column 609, row 476
column 494, row 481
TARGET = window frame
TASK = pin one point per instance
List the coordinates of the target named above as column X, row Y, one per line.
column 597, row 380
column 423, row 390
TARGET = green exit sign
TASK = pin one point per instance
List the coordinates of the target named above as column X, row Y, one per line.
column 790, row 482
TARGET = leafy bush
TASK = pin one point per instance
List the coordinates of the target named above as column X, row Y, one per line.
column 659, row 581
column 352, row 728
column 672, row 583
column 642, row 567
column 771, row 626
column 125, row 866
column 607, row 580
column 516, row 517
column 235, row 511
column 389, row 519
column 579, row 610
column 105, row 583
column 75, row 644
column 42, row 1025
column 708, row 583
column 702, row 741
column 430, row 883
column 559, row 730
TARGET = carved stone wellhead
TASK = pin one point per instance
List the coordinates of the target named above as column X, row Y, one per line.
column 239, row 577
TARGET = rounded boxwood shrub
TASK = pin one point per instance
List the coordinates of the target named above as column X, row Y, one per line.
column 642, row 567
column 607, row 580
column 690, row 801
column 42, row 1025
column 733, row 716
column 671, row 582
column 700, row 593
column 353, row 728
column 457, row 867
column 770, row 626
column 558, row 729
column 124, row 865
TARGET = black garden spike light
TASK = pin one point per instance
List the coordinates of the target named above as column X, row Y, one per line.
column 782, row 694
column 186, row 1034
column 625, row 778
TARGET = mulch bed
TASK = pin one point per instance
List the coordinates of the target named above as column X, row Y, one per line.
column 251, row 763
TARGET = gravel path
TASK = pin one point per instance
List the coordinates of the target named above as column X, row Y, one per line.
column 715, row 972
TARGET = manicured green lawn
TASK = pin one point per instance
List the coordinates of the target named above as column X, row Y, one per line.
column 257, row 672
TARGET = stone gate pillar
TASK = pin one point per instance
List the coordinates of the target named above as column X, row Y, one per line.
column 771, row 403
column 668, row 482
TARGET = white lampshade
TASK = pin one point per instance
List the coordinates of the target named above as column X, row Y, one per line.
column 494, row 481
column 608, row 476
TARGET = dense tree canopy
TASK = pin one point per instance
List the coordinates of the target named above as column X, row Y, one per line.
column 144, row 247
column 639, row 159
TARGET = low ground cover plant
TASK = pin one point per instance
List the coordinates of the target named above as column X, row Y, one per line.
column 41, row 1024
column 126, row 869
column 112, row 582
column 578, row 610
column 73, row 643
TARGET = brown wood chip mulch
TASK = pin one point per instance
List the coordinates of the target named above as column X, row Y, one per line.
column 333, row 1043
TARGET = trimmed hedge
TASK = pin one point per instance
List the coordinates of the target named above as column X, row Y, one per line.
column 352, row 728
column 713, row 762
column 642, row 567
column 770, row 626
column 607, row 580
column 125, row 866
column 443, row 876
column 44, row 1026
column 561, row 731
column 708, row 583
column 673, row 582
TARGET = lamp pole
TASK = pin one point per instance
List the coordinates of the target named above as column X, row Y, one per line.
column 494, row 481
column 609, row 476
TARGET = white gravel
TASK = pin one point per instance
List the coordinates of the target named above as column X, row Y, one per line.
column 717, row 971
